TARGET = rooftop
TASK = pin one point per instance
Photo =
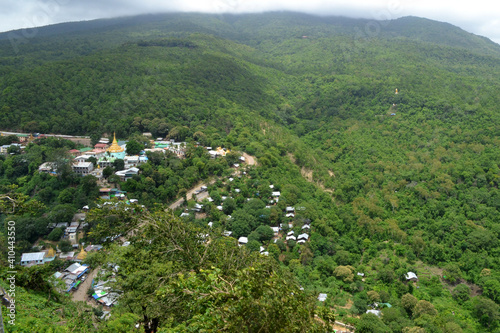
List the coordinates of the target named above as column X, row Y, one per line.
column 82, row 164
column 33, row 256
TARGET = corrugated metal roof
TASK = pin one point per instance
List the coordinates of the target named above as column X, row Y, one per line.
column 33, row 256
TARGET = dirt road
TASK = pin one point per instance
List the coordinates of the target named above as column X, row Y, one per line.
column 249, row 159
column 81, row 293
column 190, row 193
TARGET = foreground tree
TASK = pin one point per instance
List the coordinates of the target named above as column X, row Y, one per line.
column 175, row 277
column 486, row 311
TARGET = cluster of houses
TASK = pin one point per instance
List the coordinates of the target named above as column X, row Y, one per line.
column 218, row 152
column 42, row 257
column 4, row 149
column 103, row 293
column 299, row 237
column 105, row 155
column 23, row 139
column 70, row 232
column 70, row 229
column 72, row 276
column 160, row 145
column 302, row 236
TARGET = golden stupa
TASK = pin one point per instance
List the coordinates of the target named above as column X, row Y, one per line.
column 82, row 255
column 51, row 253
column 115, row 148
column 222, row 152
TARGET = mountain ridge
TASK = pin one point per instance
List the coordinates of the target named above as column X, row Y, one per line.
column 239, row 27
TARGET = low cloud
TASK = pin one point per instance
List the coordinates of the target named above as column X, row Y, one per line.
column 472, row 17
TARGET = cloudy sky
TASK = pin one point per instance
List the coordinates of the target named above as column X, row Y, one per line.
column 480, row 17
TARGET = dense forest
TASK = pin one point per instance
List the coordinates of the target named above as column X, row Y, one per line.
column 386, row 139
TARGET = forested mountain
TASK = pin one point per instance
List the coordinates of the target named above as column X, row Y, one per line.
column 387, row 132
column 266, row 51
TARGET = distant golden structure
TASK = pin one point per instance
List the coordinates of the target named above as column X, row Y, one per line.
column 115, row 150
column 222, row 152
column 396, row 91
column 82, row 255
column 51, row 253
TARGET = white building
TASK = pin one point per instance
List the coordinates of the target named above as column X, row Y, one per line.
column 303, row 236
column 410, row 276
column 33, row 258
column 47, row 167
column 377, row 313
column 82, row 158
column 276, row 230
column 127, row 174
column 83, row 168
column 133, row 161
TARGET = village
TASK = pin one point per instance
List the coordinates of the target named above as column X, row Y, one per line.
column 299, row 169
column 292, row 230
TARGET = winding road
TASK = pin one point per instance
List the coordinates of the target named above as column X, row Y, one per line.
column 249, row 160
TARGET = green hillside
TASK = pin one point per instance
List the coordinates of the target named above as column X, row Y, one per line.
column 393, row 182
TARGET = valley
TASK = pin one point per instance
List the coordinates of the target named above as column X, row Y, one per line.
column 331, row 163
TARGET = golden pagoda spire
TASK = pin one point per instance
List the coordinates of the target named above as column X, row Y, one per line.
column 115, row 148
column 51, row 252
column 82, row 255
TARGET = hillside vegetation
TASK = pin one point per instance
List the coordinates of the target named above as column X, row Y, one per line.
column 389, row 138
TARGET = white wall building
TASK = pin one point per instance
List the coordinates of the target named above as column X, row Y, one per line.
column 83, row 168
